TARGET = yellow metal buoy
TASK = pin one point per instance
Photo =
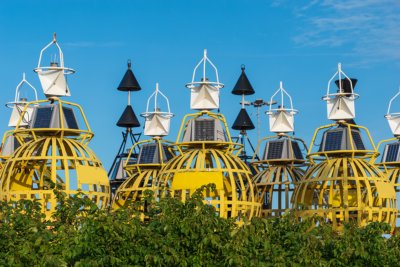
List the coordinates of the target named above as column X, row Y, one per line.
column 279, row 168
column 281, row 165
column 143, row 172
column 54, row 151
column 207, row 155
column 342, row 186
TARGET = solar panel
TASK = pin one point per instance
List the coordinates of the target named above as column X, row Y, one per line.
column 392, row 152
column 333, row 140
column 275, row 150
column 204, row 130
column 296, row 150
column 167, row 154
column 43, row 117
column 357, row 140
column 69, row 116
column 147, row 153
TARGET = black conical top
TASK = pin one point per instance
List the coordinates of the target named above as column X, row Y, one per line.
column 346, row 87
column 243, row 85
column 243, row 121
column 128, row 118
column 129, row 82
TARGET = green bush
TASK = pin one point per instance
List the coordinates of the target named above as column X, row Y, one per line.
column 180, row 234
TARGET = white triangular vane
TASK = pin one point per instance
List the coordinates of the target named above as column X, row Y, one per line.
column 393, row 118
column 157, row 122
column 340, row 105
column 52, row 77
column 204, row 93
column 281, row 120
column 340, row 108
column 19, row 104
column 53, row 82
column 204, row 96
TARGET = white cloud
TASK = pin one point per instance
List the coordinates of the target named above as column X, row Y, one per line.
column 368, row 28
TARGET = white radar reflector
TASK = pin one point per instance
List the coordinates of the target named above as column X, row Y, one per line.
column 157, row 122
column 340, row 104
column 53, row 77
column 393, row 118
column 19, row 104
column 281, row 119
column 204, row 93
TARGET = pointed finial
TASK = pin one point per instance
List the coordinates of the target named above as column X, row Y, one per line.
column 205, row 52
column 23, row 76
column 54, row 37
column 280, row 84
column 156, row 87
column 339, row 66
column 243, row 67
column 129, row 64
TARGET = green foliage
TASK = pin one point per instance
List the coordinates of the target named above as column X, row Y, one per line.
column 180, row 234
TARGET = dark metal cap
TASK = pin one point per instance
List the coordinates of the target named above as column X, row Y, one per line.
column 128, row 118
column 129, row 82
column 243, row 85
column 243, row 121
column 345, row 83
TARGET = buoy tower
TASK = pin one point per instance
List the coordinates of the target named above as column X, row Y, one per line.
column 279, row 159
column 207, row 155
column 54, row 149
column 342, row 186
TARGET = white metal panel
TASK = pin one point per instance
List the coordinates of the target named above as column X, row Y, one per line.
column 341, row 108
column 157, row 125
column 281, row 122
column 394, row 124
column 16, row 114
column 53, row 82
column 204, row 97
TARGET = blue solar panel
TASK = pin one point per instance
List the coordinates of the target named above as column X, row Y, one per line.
column 69, row 116
column 168, row 154
column 357, row 140
column 333, row 141
column 147, row 153
column 43, row 117
column 296, row 150
column 392, row 152
column 275, row 149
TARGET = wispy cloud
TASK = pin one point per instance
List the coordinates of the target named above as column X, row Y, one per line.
column 369, row 29
column 87, row 44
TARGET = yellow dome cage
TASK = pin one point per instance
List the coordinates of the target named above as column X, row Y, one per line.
column 390, row 162
column 279, row 168
column 143, row 169
column 206, row 154
column 342, row 186
column 54, row 151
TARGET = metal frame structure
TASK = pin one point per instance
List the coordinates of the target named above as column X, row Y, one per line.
column 342, row 186
column 53, row 156
column 203, row 162
column 276, row 178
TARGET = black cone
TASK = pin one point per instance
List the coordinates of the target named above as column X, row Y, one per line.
column 243, row 85
column 346, row 87
column 128, row 118
column 129, row 82
column 243, row 121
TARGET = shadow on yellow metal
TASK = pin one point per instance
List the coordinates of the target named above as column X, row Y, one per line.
column 390, row 168
column 211, row 161
column 343, row 186
column 142, row 176
column 58, row 156
column 275, row 178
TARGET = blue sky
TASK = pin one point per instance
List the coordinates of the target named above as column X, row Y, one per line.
column 298, row 42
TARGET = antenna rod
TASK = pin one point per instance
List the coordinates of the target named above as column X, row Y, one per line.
column 129, row 98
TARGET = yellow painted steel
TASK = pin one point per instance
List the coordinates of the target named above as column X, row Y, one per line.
column 202, row 162
column 342, row 186
column 275, row 179
column 53, row 156
column 141, row 177
column 391, row 170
